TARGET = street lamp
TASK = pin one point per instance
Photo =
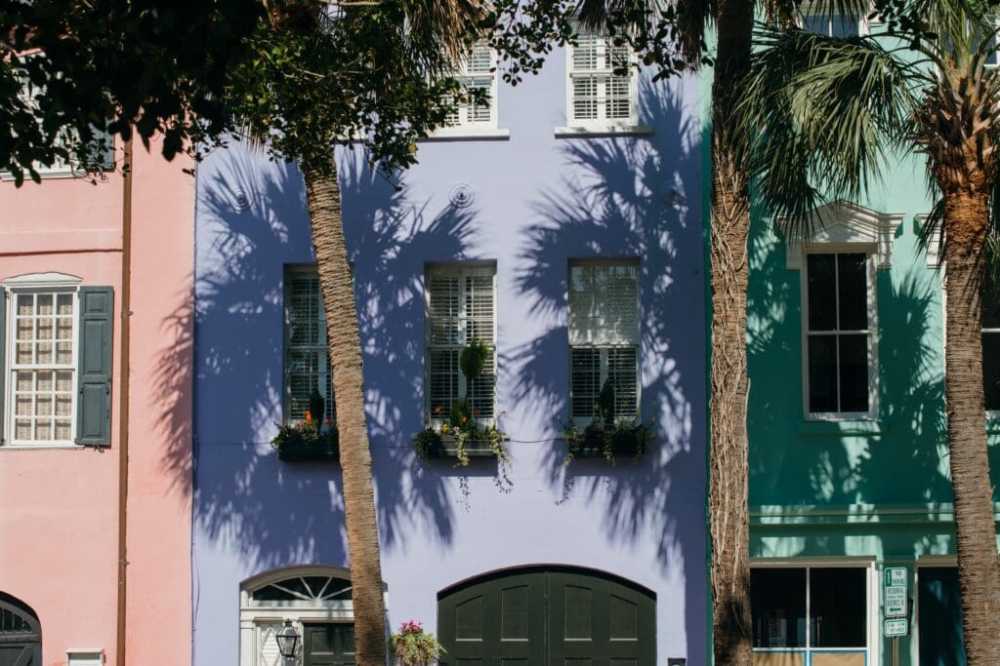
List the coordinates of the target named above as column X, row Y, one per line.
column 287, row 640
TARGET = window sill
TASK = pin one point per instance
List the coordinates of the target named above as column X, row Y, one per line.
column 55, row 174
column 469, row 134
column 846, row 425
column 587, row 131
column 34, row 447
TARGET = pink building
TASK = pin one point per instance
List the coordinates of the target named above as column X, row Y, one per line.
column 71, row 254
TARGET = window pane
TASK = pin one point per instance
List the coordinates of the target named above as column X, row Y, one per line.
column 778, row 607
column 852, row 290
column 991, row 370
column 585, row 368
column 853, row 373
column 444, row 381
column 622, row 372
column 844, row 26
column 821, row 284
column 838, row 607
column 822, row 373
column 991, row 301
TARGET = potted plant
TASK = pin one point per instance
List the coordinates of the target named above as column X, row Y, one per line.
column 308, row 439
column 413, row 646
column 607, row 436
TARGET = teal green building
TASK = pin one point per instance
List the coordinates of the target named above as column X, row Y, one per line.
column 852, row 531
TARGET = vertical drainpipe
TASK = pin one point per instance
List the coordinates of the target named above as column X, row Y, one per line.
column 123, row 392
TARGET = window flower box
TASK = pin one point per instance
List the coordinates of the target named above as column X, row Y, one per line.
column 610, row 442
column 305, row 442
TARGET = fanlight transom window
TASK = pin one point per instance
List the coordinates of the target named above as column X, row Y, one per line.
column 301, row 591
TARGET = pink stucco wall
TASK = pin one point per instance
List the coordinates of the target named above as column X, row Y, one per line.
column 58, row 526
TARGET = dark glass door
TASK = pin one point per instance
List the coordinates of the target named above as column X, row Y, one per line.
column 939, row 609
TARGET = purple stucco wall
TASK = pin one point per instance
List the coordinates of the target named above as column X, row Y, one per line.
column 538, row 201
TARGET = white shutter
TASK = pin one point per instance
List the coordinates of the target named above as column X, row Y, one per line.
column 307, row 363
column 476, row 74
column 622, row 368
column 585, row 372
column 596, row 92
column 603, row 304
column 461, row 308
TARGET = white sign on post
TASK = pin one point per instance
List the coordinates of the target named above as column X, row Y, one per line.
column 895, row 576
column 895, row 601
column 895, row 628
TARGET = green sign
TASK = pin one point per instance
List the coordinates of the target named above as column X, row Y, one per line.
column 894, row 594
column 895, row 628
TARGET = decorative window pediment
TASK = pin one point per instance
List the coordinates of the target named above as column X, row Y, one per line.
column 35, row 280
column 850, row 225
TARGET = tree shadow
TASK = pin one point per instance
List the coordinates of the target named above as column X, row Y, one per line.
column 252, row 224
column 633, row 198
column 795, row 464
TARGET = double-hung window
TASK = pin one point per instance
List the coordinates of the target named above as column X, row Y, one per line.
column 477, row 74
column 461, row 308
column 839, row 335
column 991, row 341
column 43, row 366
column 602, row 83
column 307, row 362
column 57, row 361
column 604, row 340
column 813, row 616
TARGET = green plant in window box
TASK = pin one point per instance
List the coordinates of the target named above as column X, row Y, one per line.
column 463, row 437
column 607, row 436
column 308, row 439
column 473, row 359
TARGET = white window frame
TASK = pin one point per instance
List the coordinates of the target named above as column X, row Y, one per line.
column 292, row 270
column 38, row 283
column 844, row 227
column 463, row 270
column 88, row 657
column 601, row 125
column 256, row 617
column 465, row 127
column 584, row 421
column 871, row 332
column 873, row 608
column 809, row 9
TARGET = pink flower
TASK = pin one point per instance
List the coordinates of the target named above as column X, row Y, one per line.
column 411, row 627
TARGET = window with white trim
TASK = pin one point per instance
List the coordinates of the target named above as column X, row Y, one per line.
column 477, row 73
column 604, row 339
column 832, row 25
column 307, row 361
column 991, row 341
column 42, row 365
column 461, row 308
column 602, row 88
column 839, row 319
column 818, row 615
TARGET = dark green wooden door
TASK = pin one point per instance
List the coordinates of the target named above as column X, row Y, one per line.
column 328, row 644
column 547, row 617
column 19, row 655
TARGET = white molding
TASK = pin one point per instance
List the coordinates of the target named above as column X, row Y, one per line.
column 933, row 249
column 847, row 224
column 467, row 133
column 41, row 280
column 600, row 129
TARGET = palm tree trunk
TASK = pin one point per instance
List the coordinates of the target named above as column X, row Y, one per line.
column 728, row 458
column 344, row 343
column 965, row 222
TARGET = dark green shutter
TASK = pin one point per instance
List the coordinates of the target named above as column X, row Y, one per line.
column 3, row 346
column 93, row 406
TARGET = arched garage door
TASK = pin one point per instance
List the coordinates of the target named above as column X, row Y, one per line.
column 547, row 616
column 20, row 634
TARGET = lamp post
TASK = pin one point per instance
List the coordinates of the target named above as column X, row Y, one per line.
column 287, row 640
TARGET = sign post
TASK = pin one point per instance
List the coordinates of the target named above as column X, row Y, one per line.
column 895, row 611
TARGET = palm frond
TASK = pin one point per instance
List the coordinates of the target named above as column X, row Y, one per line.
column 822, row 116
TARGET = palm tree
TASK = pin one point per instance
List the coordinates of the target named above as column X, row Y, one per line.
column 360, row 71
column 673, row 35
column 827, row 114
